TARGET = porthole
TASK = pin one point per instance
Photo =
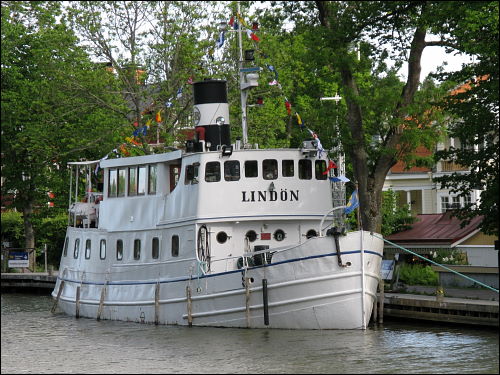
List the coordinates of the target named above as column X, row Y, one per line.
column 311, row 233
column 279, row 235
column 222, row 237
column 251, row 235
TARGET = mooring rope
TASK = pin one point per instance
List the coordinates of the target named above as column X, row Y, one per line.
column 437, row 264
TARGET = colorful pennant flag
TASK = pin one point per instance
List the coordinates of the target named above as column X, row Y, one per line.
column 339, row 179
column 252, row 35
column 288, row 107
column 353, row 202
column 220, row 41
column 158, row 117
column 331, row 165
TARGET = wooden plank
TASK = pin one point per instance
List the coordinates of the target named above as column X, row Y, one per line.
column 61, row 287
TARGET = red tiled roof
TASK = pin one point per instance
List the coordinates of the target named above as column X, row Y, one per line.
column 399, row 167
column 435, row 228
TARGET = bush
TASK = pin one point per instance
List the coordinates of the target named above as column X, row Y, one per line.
column 416, row 274
column 52, row 231
column 13, row 228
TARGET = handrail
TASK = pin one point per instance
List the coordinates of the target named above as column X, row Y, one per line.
column 437, row 264
column 320, row 232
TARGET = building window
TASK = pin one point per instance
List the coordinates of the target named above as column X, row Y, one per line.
column 119, row 250
column 88, row 246
column 137, row 249
column 320, row 168
column 232, row 170
column 141, row 180
column 175, row 245
column 445, row 202
column 251, row 168
column 467, row 200
column 102, row 249
column 113, row 183
column 456, row 202
column 152, row 179
column 155, row 248
column 305, row 169
column 287, row 168
column 212, row 171
column 270, row 169
column 76, row 250
column 132, row 181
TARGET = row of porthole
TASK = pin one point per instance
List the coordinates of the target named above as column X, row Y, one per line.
column 279, row 235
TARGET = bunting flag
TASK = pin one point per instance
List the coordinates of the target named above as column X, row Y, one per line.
column 273, row 82
column 179, row 93
column 331, row 165
column 158, row 116
column 220, row 41
column 148, row 123
column 242, row 21
column 231, row 21
column 252, row 35
column 339, row 179
column 190, row 80
column 353, row 202
column 299, row 120
column 288, row 107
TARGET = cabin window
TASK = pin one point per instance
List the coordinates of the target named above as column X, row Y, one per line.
column 76, row 250
column 113, row 183
column 137, row 249
column 287, row 169
column 251, row 168
column 175, row 245
column 175, row 171
column 122, row 178
column 232, row 170
column 66, row 242
column 152, row 179
column 212, row 171
column 305, row 169
column 270, row 169
column 155, row 248
column 141, row 180
column 119, row 250
column 132, row 181
column 320, row 169
column 191, row 176
column 102, row 249
column 88, row 247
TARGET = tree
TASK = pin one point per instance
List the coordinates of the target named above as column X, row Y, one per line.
column 385, row 119
column 55, row 106
column 473, row 109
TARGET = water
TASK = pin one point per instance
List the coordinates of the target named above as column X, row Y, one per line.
column 36, row 341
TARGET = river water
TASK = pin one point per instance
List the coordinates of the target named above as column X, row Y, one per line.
column 36, row 341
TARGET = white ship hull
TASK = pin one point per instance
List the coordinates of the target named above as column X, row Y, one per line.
column 306, row 289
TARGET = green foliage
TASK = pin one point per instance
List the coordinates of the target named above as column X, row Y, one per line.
column 416, row 274
column 394, row 219
column 12, row 228
column 51, row 231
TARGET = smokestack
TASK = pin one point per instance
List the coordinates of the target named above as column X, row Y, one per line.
column 211, row 112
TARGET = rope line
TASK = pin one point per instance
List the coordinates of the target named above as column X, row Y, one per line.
column 437, row 264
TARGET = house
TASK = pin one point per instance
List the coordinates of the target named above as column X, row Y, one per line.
column 474, row 252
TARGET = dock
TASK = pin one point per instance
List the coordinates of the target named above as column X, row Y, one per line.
column 445, row 309
column 470, row 311
column 28, row 282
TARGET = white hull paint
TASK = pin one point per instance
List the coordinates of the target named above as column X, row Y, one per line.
column 306, row 287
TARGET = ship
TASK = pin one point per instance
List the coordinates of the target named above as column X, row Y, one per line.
column 216, row 233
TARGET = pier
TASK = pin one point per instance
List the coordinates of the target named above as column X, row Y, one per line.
column 470, row 311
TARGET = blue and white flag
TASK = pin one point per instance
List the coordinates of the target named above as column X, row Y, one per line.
column 220, row 41
column 353, row 202
column 339, row 179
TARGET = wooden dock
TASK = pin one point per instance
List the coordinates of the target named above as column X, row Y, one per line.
column 445, row 309
column 396, row 305
column 26, row 282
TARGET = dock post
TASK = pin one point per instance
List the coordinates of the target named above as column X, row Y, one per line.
column 45, row 253
column 157, row 303
column 189, row 308
column 101, row 302
column 247, row 300
column 61, row 287
column 77, row 303
column 265, row 301
column 381, row 301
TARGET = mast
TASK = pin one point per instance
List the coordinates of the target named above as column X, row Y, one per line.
column 243, row 92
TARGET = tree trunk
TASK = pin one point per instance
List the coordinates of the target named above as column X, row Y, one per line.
column 29, row 233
